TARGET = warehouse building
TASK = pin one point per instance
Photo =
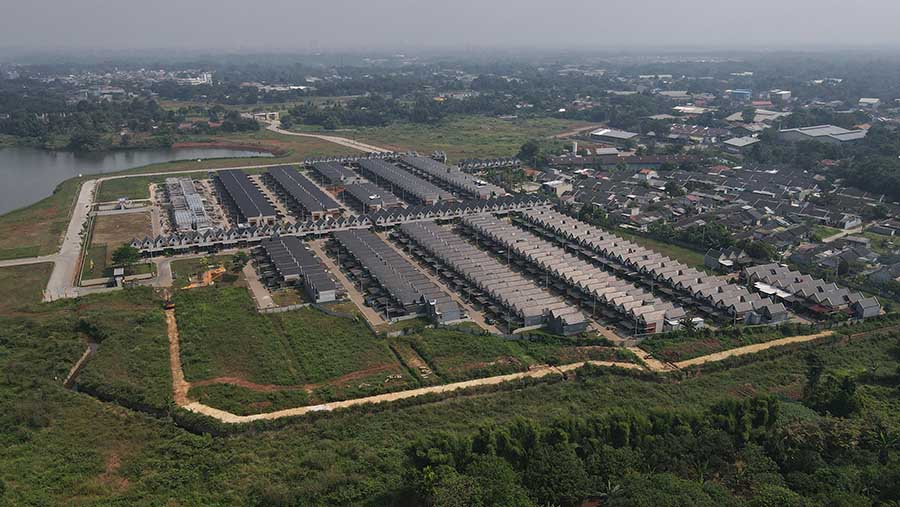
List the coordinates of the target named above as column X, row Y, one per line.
column 816, row 295
column 302, row 196
column 453, row 178
column 508, row 295
column 407, row 186
column 708, row 293
column 241, row 197
column 591, row 285
column 370, row 198
column 823, row 134
column 286, row 261
column 393, row 285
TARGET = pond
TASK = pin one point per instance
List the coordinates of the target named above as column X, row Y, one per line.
column 28, row 175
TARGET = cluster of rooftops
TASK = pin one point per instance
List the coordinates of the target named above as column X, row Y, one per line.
column 293, row 262
column 411, row 291
column 786, row 284
column 625, row 255
column 530, row 304
column 640, row 306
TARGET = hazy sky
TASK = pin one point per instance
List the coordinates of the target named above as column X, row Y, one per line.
column 412, row 24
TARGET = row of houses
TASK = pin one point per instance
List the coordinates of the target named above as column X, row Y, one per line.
column 504, row 292
column 709, row 292
column 589, row 283
column 219, row 238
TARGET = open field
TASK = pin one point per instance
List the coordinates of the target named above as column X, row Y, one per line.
column 21, row 286
column 115, row 230
column 109, row 233
column 224, row 338
column 460, row 137
column 131, row 365
column 687, row 256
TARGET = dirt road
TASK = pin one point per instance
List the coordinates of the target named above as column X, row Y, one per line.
column 751, row 349
column 381, row 398
column 180, row 386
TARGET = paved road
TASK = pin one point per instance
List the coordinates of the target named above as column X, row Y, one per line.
column 65, row 268
column 343, row 141
column 355, row 296
column 28, row 260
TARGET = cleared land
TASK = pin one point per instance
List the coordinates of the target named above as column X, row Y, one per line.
column 186, row 271
column 109, row 233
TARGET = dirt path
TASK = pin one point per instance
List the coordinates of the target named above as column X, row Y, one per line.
column 652, row 363
column 751, row 349
column 575, row 132
column 180, row 386
column 227, row 417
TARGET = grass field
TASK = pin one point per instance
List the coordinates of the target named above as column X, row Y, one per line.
column 687, row 256
column 132, row 188
column 223, row 336
column 462, row 136
column 679, row 347
column 820, row 232
column 109, row 233
column 22, row 286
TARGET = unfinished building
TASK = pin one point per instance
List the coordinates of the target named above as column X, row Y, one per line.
column 591, row 285
column 285, row 260
column 514, row 299
column 394, row 286
column 188, row 210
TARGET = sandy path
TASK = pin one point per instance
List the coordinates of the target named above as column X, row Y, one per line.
column 180, row 386
column 751, row 349
column 652, row 363
column 381, row 398
column 343, row 141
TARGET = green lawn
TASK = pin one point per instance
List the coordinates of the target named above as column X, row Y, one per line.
column 38, row 229
column 687, row 256
column 132, row 188
column 820, row 232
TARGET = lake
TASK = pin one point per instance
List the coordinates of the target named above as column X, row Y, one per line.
column 28, row 175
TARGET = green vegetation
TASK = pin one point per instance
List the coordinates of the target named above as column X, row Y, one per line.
column 23, row 286
column 242, row 401
column 463, row 136
column 94, row 262
column 132, row 188
column 683, row 345
column 293, row 348
column 37, row 229
column 131, row 365
column 184, row 270
column 820, row 232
